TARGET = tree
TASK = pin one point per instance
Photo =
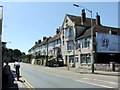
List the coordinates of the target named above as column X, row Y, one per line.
column 16, row 53
column 10, row 55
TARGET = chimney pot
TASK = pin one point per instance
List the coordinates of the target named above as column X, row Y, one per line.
column 35, row 43
column 98, row 19
column 57, row 31
column 44, row 38
column 83, row 18
column 39, row 41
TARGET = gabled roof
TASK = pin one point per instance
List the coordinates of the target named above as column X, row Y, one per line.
column 100, row 29
column 77, row 20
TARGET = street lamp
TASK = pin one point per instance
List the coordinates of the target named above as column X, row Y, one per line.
column 1, row 18
column 92, row 59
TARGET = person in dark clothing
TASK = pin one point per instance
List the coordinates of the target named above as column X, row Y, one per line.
column 6, row 72
column 17, row 67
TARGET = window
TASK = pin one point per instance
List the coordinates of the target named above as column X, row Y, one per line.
column 78, row 44
column 55, row 42
column 85, row 58
column 76, row 59
column 69, row 32
column 63, row 37
column 85, row 42
column 63, row 42
column 58, row 41
column 71, row 59
column 112, row 32
column 69, row 46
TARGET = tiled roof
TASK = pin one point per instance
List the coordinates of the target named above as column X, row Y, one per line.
column 34, row 46
column 77, row 20
column 57, row 36
column 100, row 29
column 43, row 42
column 38, row 44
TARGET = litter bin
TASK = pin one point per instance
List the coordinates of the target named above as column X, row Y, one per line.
column 112, row 66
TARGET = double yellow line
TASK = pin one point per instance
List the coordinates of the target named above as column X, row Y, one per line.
column 27, row 84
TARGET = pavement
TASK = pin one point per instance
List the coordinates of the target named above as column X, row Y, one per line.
column 13, row 84
column 99, row 72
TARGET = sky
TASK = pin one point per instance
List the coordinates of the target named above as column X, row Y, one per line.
column 27, row 22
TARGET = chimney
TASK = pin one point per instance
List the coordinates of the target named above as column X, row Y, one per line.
column 98, row 19
column 39, row 41
column 44, row 38
column 57, row 31
column 35, row 43
column 83, row 18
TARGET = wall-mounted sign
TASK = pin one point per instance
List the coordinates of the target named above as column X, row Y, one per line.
column 107, row 43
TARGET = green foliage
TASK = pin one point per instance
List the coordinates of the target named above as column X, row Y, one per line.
column 17, row 53
column 11, row 54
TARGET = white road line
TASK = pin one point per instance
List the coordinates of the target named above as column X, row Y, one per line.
column 102, row 81
column 94, row 84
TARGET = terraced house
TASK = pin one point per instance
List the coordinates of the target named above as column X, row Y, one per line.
column 72, row 42
column 49, row 47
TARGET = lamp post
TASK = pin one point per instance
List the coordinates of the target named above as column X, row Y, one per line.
column 1, row 62
column 47, row 51
column 1, row 18
column 92, row 59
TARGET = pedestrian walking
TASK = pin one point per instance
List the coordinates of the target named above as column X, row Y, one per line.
column 17, row 67
column 6, row 72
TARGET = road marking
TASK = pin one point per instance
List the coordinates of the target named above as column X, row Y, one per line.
column 78, row 80
column 75, row 80
column 94, row 84
column 102, row 81
column 28, row 84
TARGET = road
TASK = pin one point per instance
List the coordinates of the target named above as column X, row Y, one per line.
column 46, row 77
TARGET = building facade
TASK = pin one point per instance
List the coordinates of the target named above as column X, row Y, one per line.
column 73, row 43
